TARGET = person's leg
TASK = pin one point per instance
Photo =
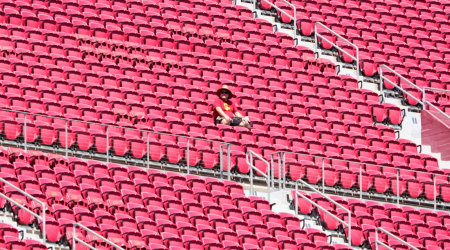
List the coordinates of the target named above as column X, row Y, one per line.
column 225, row 122
column 244, row 124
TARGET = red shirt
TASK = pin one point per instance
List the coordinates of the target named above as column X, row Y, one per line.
column 228, row 107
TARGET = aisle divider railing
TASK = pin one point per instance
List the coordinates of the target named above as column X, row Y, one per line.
column 316, row 43
column 399, row 88
column 344, row 224
column 428, row 104
column 293, row 18
column 378, row 242
column 21, row 206
column 249, row 157
column 75, row 238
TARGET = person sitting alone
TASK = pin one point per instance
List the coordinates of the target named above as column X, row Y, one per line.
column 225, row 111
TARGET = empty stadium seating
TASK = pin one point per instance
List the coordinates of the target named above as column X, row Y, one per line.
column 410, row 37
column 115, row 66
column 135, row 207
column 156, row 66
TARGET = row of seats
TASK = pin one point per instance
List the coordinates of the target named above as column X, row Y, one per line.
column 422, row 228
column 10, row 239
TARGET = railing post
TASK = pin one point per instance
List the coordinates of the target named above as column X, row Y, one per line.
column 107, row 143
column 221, row 162
column 350, row 229
column 279, row 170
column 357, row 65
column 376, row 239
column 424, row 97
column 380, row 72
column 66, row 136
column 323, row 175
column 284, row 170
column 251, row 176
column 44, row 224
column 268, row 186
column 398, row 186
column 187, row 156
column 271, row 172
column 229, row 160
column 25, row 132
column 316, row 43
column 435, row 193
column 272, row 162
column 296, row 199
column 74, row 243
column 148, row 149
column 360, row 181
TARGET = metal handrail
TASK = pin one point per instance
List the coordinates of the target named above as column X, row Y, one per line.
column 424, row 89
column 67, row 120
column 294, row 18
column 380, row 72
column 228, row 162
column 440, row 111
column 75, row 239
column 349, row 224
column 425, row 102
column 282, row 167
column 44, row 235
column 106, row 125
column 316, row 34
column 342, row 160
column 391, row 235
column 249, row 159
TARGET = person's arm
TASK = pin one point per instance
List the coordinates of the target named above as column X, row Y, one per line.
column 237, row 114
column 221, row 113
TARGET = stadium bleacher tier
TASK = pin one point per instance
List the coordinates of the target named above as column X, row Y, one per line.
column 136, row 207
column 156, row 66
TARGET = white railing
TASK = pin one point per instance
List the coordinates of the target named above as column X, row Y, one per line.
column 249, row 159
column 427, row 103
column 383, row 78
column 107, row 156
column 221, row 160
column 44, row 235
column 294, row 18
column 282, row 173
column 75, row 239
column 316, row 42
column 378, row 242
column 349, row 224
